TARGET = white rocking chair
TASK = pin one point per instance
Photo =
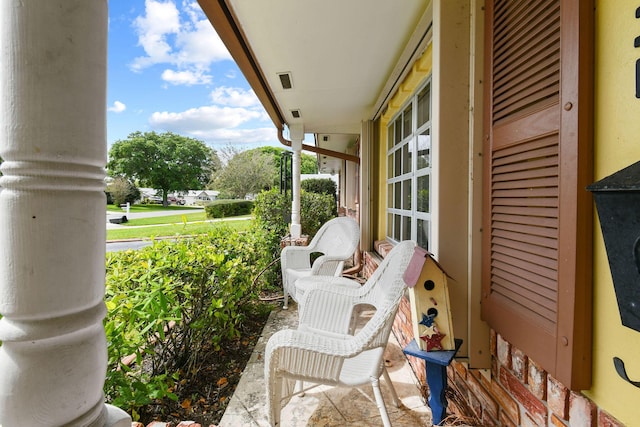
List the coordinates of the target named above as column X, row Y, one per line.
column 321, row 350
column 336, row 241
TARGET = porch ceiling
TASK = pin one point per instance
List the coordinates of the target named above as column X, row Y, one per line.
column 339, row 54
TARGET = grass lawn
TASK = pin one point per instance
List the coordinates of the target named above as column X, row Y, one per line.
column 168, row 219
column 175, row 229
column 153, row 208
column 170, row 225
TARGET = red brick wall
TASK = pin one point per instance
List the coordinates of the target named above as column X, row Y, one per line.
column 519, row 392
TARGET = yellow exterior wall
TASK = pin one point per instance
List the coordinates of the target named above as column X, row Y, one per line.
column 617, row 145
column 419, row 72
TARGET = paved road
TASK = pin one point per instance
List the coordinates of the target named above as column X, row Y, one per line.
column 134, row 215
column 122, row 246
column 137, row 244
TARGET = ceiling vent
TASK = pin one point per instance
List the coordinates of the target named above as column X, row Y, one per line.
column 285, row 80
column 295, row 114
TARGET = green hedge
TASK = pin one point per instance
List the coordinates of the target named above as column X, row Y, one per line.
column 228, row 208
column 320, row 186
column 169, row 302
column 273, row 210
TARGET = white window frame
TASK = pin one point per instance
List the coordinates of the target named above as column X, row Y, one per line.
column 396, row 179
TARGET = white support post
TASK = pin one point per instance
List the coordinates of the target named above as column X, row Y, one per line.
column 296, row 133
column 53, row 356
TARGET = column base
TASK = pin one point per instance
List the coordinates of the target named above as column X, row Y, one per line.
column 296, row 231
column 116, row 417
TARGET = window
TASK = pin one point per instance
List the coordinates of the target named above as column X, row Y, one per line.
column 409, row 170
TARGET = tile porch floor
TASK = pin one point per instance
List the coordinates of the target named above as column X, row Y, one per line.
column 325, row 406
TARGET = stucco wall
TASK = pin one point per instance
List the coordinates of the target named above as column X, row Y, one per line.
column 617, row 145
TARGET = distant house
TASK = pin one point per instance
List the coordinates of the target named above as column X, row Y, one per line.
column 197, row 197
column 148, row 193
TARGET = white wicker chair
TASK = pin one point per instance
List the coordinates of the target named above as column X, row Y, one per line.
column 336, row 240
column 321, row 351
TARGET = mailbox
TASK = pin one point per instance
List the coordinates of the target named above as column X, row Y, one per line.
column 617, row 199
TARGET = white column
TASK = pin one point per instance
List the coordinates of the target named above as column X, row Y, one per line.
column 296, row 133
column 53, row 356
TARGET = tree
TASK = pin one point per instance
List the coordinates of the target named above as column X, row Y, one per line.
column 123, row 191
column 308, row 163
column 247, row 172
column 166, row 162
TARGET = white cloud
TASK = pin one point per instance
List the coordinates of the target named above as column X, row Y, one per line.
column 215, row 125
column 187, row 77
column 117, row 107
column 161, row 20
column 240, row 137
column 198, row 43
column 208, row 117
column 187, row 41
column 235, row 97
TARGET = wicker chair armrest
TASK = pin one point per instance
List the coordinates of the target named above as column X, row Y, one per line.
column 327, row 265
column 295, row 257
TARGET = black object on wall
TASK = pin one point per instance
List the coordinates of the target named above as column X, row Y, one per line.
column 617, row 200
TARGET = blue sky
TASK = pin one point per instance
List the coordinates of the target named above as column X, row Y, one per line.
column 169, row 71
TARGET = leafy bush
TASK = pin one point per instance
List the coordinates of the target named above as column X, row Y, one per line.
column 227, row 208
column 121, row 191
column 320, row 186
column 316, row 209
column 170, row 302
column 272, row 211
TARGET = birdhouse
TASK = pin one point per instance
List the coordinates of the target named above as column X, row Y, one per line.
column 430, row 306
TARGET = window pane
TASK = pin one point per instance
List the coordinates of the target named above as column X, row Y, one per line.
column 390, row 136
column 423, row 194
column 398, row 196
column 406, row 159
column 397, row 159
column 423, row 234
column 406, row 228
column 390, row 195
column 406, row 194
column 389, row 225
column 390, row 166
column 406, row 121
column 398, row 131
column 396, row 227
column 424, row 98
column 424, row 149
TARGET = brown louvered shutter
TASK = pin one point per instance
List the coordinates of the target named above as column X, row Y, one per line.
column 536, row 292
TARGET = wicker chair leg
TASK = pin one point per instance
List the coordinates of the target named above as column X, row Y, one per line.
column 380, row 401
column 394, row 394
column 274, row 397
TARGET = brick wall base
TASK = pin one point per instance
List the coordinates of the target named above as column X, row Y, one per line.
column 515, row 392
